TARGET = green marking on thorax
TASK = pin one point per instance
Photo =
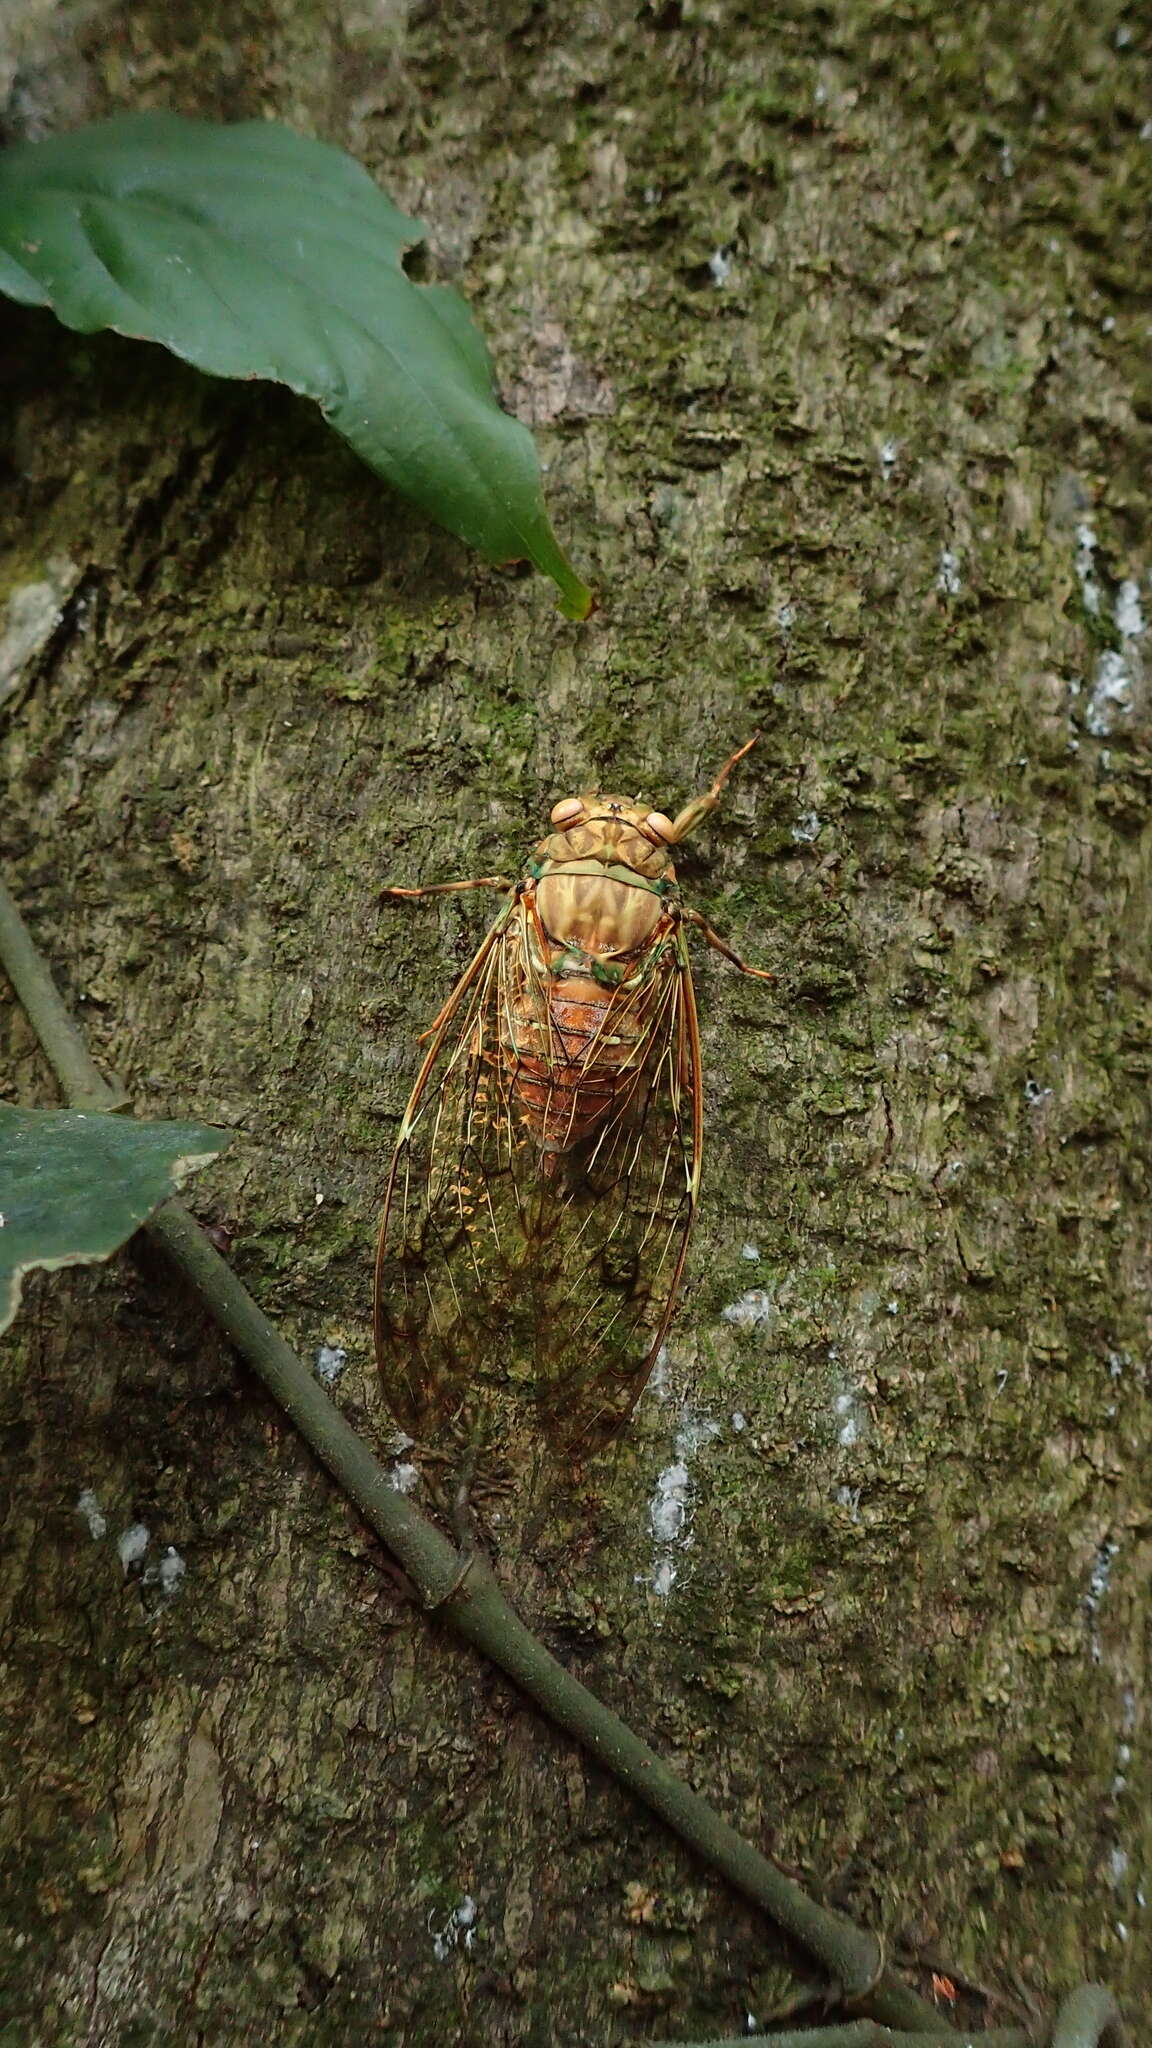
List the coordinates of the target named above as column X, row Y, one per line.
column 614, row 872
column 574, row 959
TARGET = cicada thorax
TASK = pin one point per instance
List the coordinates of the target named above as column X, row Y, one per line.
column 598, row 927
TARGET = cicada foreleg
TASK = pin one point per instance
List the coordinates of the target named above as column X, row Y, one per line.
column 694, row 813
column 719, row 945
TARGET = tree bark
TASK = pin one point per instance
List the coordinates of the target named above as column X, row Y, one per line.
column 833, row 327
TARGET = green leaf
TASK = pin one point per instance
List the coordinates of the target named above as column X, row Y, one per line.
column 73, row 1187
column 254, row 252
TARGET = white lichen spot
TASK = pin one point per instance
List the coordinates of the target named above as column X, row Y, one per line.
column 89, row 1507
column 1129, row 613
column 754, row 1310
column 659, row 1381
column 851, row 1417
column 1098, row 1583
column 1118, row 669
column 331, row 1359
column 131, row 1546
column 739, row 1422
column 1111, row 692
column 404, row 1478
column 720, row 266
column 459, row 1929
column 751, row 1252
column 849, row 1430
column 663, row 1578
column 670, row 1506
column 948, row 578
column 1085, row 566
column 167, row 1574
column 808, row 827
column 891, row 1308
column 1100, row 1576
column 31, row 616
column 694, row 1432
column 889, row 456
column 172, row 1569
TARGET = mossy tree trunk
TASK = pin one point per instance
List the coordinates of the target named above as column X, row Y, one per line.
column 834, row 326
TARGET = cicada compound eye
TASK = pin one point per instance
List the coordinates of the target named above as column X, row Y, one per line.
column 568, row 810
column 661, row 827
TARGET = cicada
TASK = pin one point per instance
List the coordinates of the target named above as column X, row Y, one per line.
column 548, row 1163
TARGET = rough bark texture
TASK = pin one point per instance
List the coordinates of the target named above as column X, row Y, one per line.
column 834, row 324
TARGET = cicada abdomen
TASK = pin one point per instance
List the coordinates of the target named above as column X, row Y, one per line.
column 542, row 1190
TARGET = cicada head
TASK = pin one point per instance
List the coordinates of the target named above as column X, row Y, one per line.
column 612, row 830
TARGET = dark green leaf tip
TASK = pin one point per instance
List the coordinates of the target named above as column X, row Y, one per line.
column 251, row 251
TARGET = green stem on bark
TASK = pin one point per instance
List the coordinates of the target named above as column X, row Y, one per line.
column 862, row 2034
column 1089, row 2018
column 62, row 1042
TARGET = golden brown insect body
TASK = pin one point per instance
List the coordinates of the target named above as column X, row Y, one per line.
column 542, row 1190
column 594, row 913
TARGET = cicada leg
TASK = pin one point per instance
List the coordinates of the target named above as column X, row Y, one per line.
column 714, row 940
column 452, row 888
column 695, row 812
column 482, row 881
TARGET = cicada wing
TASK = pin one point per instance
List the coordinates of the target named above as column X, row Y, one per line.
column 507, row 1265
column 421, row 1333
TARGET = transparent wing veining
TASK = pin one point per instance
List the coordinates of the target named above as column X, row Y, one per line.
column 509, row 1260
